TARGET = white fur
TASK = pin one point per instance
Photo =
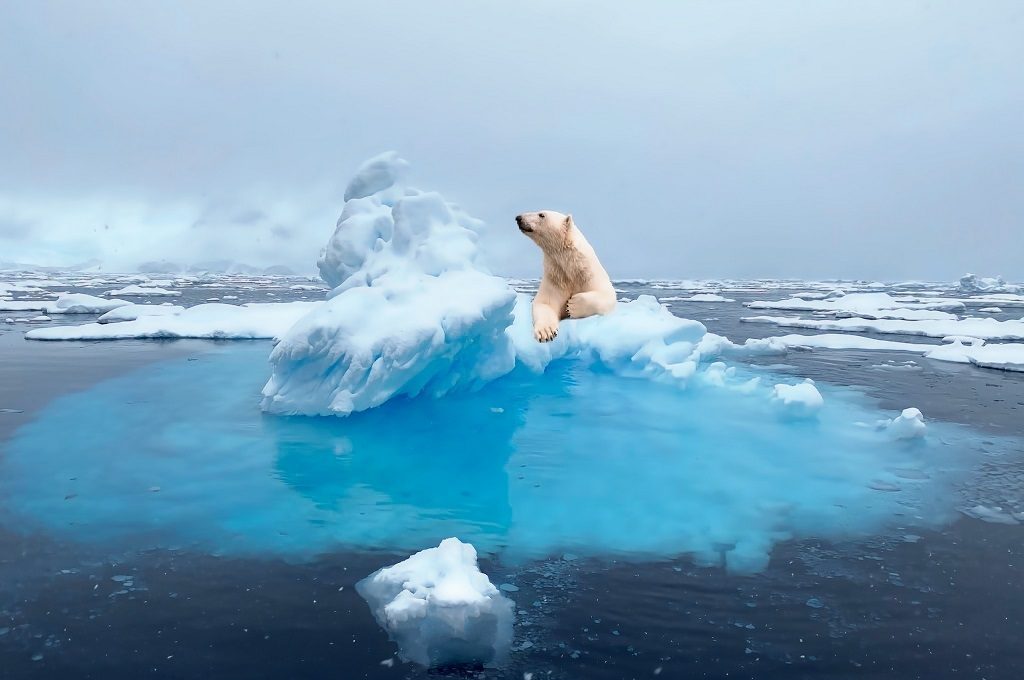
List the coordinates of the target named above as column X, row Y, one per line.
column 574, row 284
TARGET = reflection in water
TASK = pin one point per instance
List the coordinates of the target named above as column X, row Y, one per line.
column 578, row 461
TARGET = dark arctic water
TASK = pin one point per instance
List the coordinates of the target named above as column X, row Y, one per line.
column 152, row 522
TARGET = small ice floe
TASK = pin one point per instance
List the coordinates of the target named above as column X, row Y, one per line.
column 991, row 310
column 993, row 515
column 39, row 319
column 440, row 608
column 66, row 303
column 907, row 425
column 698, row 297
column 212, row 320
column 802, row 400
column 136, row 291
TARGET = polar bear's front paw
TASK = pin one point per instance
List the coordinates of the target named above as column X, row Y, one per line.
column 545, row 332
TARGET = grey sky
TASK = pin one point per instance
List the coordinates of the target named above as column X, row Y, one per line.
column 689, row 139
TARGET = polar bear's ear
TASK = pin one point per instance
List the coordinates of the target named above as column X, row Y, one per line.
column 568, row 222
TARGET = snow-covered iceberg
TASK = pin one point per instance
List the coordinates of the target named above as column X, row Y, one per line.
column 415, row 310
column 440, row 608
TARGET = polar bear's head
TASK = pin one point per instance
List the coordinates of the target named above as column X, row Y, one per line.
column 546, row 228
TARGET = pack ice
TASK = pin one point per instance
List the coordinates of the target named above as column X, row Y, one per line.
column 440, row 608
column 415, row 310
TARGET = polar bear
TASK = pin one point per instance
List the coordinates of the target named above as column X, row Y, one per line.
column 574, row 284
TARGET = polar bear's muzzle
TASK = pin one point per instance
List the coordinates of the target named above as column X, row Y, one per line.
column 523, row 226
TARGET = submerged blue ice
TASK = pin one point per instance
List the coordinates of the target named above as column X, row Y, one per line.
column 576, row 460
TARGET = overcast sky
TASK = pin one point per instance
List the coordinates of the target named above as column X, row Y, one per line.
column 689, row 139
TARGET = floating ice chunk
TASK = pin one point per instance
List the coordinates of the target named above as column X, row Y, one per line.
column 132, row 312
column 214, row 321
column 993, row 515
column 66, row 303
column 907, row 425
column 1004, row 356
column 136, row 291
column 80, row 303
column 802, row 400
column 991, row 310
column 440, row 608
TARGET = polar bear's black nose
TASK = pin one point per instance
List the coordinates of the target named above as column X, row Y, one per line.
column 519, row 220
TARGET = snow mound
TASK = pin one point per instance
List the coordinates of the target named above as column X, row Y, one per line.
column 415, row 310
column 132, row 312
column 802, row 400
column 138, row 291
column 440, row 608
column 907, row 425
column 213, row 321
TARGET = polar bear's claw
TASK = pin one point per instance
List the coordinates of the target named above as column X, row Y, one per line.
column 545, row 333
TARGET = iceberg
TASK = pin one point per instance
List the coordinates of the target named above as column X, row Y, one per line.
column 440, row 608
column 415, row 310
column 972, row 283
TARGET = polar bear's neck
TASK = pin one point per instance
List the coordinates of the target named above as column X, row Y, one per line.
column 567, row 264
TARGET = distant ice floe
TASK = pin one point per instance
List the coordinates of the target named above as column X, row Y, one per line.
column 214, row 321
column 698, row 297
column 67, row 303
column 440, row 608
column 144, row 291
column 869, row 306
column 984, row 328
column 1004, row 356
column 971, row 283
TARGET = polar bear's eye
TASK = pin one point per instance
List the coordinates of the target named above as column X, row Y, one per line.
column 542, row 215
